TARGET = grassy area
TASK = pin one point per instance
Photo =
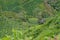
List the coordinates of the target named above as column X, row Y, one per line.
column 29, row 20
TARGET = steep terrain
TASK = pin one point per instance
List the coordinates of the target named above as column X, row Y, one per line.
column 29, row 19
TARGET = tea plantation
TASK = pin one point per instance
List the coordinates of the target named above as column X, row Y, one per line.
column 29, row 19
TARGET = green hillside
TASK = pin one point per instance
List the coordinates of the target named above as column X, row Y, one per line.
column 29, row 19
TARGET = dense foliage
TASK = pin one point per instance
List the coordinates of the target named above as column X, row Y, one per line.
column 29, row 19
